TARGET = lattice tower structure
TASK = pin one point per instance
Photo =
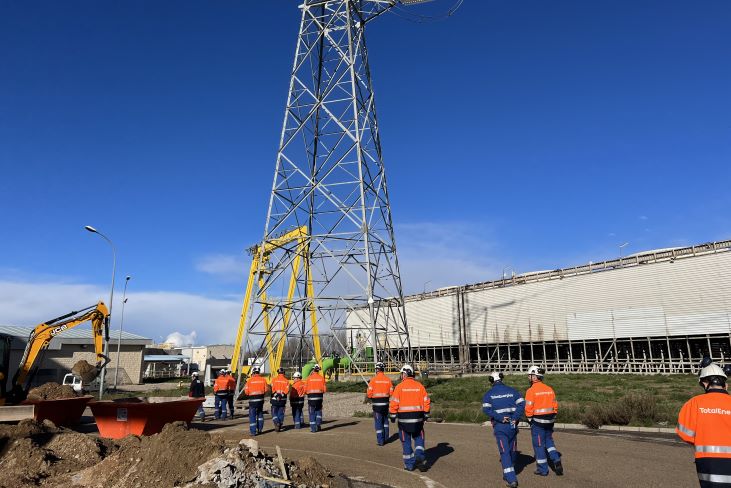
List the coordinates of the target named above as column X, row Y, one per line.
column 330, row 180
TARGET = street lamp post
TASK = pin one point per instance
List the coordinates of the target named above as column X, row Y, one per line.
column 111, row 303
column 622, row 246
column 119, row 337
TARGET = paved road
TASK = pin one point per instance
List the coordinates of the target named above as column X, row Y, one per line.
column 465, row 456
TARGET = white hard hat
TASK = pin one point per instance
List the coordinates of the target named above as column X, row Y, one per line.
column 316, row 367
column 255, row 370
column 297, row 374
column 195, row 373
column 495, row 376
column 406, row 368
column 536, row 371
column 380, row 366
column 712, row 369
column 221, row 371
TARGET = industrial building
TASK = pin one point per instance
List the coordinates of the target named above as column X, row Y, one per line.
column 74, row 345
column 653, row 312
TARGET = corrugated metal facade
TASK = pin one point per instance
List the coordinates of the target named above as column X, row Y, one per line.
column 643, row 297
column 686, row 297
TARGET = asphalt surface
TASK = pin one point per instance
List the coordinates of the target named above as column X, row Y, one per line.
column 465, row 456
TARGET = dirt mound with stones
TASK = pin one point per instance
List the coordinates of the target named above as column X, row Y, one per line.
column 51, row 391
column 40, row 454
column 85, row 370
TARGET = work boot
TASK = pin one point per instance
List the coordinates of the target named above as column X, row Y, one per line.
column 539, row 473
column 512, row 484
column 558, row 468
column 422, row 465
column 277, row 427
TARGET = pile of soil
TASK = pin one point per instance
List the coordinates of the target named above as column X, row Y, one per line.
column 86, row 371
column 51, row 391
column 34, row 453
column 41, row 454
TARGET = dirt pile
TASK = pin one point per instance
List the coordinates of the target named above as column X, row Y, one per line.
column 86, row 371
column 34, row 453
column 41, row 454
column 51, row 391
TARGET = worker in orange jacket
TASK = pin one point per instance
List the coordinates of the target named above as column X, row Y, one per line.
column 705, row 422
column 231, row 391
column 410, row 405
column 379, row 391
column 315, row 389
column 297, row 399
column 220, row 394
column 255, row 389
column 541, row 408
column 280, row 390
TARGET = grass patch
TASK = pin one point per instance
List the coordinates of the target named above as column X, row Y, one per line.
column 592, row 399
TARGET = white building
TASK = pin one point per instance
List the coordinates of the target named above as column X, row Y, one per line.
column 657, row 311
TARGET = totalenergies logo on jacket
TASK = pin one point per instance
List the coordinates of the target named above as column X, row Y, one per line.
column 58, row 329
column 719, row 411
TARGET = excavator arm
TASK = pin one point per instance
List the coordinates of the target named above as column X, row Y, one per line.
column 42, row 335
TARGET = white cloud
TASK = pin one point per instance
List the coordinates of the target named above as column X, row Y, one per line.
column 643, row 217
column 226, row 266
column 153, row 314
column 438, row 254
column 180, row 340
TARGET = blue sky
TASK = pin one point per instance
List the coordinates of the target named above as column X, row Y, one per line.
column 522, row 135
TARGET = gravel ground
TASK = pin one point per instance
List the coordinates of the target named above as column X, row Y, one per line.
column 344, row 405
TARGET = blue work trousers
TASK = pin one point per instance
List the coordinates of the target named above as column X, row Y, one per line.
column 380, row 421
column 201, row 413
column 278, row 414
column 543, row 446
column 315, row 411
column 415, row 454
column 220, row 405
column 507, row 444
column 256, row 417
column 297, row 414
column 230, row 402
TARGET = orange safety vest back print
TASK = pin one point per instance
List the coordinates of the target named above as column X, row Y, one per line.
column 379, row 391
column 410, row 402
column 540, row 403
column 705, row 422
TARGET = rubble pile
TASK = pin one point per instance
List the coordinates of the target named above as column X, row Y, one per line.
column 245, row 466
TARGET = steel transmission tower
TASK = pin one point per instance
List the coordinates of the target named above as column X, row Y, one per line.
column 329, row 184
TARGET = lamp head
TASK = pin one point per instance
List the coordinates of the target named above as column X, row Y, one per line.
column 90, row 229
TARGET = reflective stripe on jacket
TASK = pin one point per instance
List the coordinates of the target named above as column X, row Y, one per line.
column 255, row 386
column 503, row 401
column 409, row 401
column 315, row 386
column 380, row 389
column 280, row 385
column 220, row 387
column 540, row 403
column 297, row 393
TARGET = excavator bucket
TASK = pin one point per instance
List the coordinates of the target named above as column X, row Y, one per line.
column 86, row 371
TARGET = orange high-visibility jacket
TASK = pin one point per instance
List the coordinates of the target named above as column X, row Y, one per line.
column 705, row 422
column 380, row 386
column 297, row 393
column 255, row 386
column 540, row 402
column 280, row 385
column 221, row 385
column 315, row 386
column 231, row 383
column 409, row 400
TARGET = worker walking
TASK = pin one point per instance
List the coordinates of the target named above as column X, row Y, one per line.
column 231, row 391
column 504, row 406
column 379, row 391
column 541, row 408
column 220, row 392
column 197, row 390
column 410, row 405
column 705, row 422
column 280, row 390
column 315, row 390
column 255, row 389
column 297, row 399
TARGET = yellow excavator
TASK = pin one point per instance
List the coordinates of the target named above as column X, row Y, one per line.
column 38, row 342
